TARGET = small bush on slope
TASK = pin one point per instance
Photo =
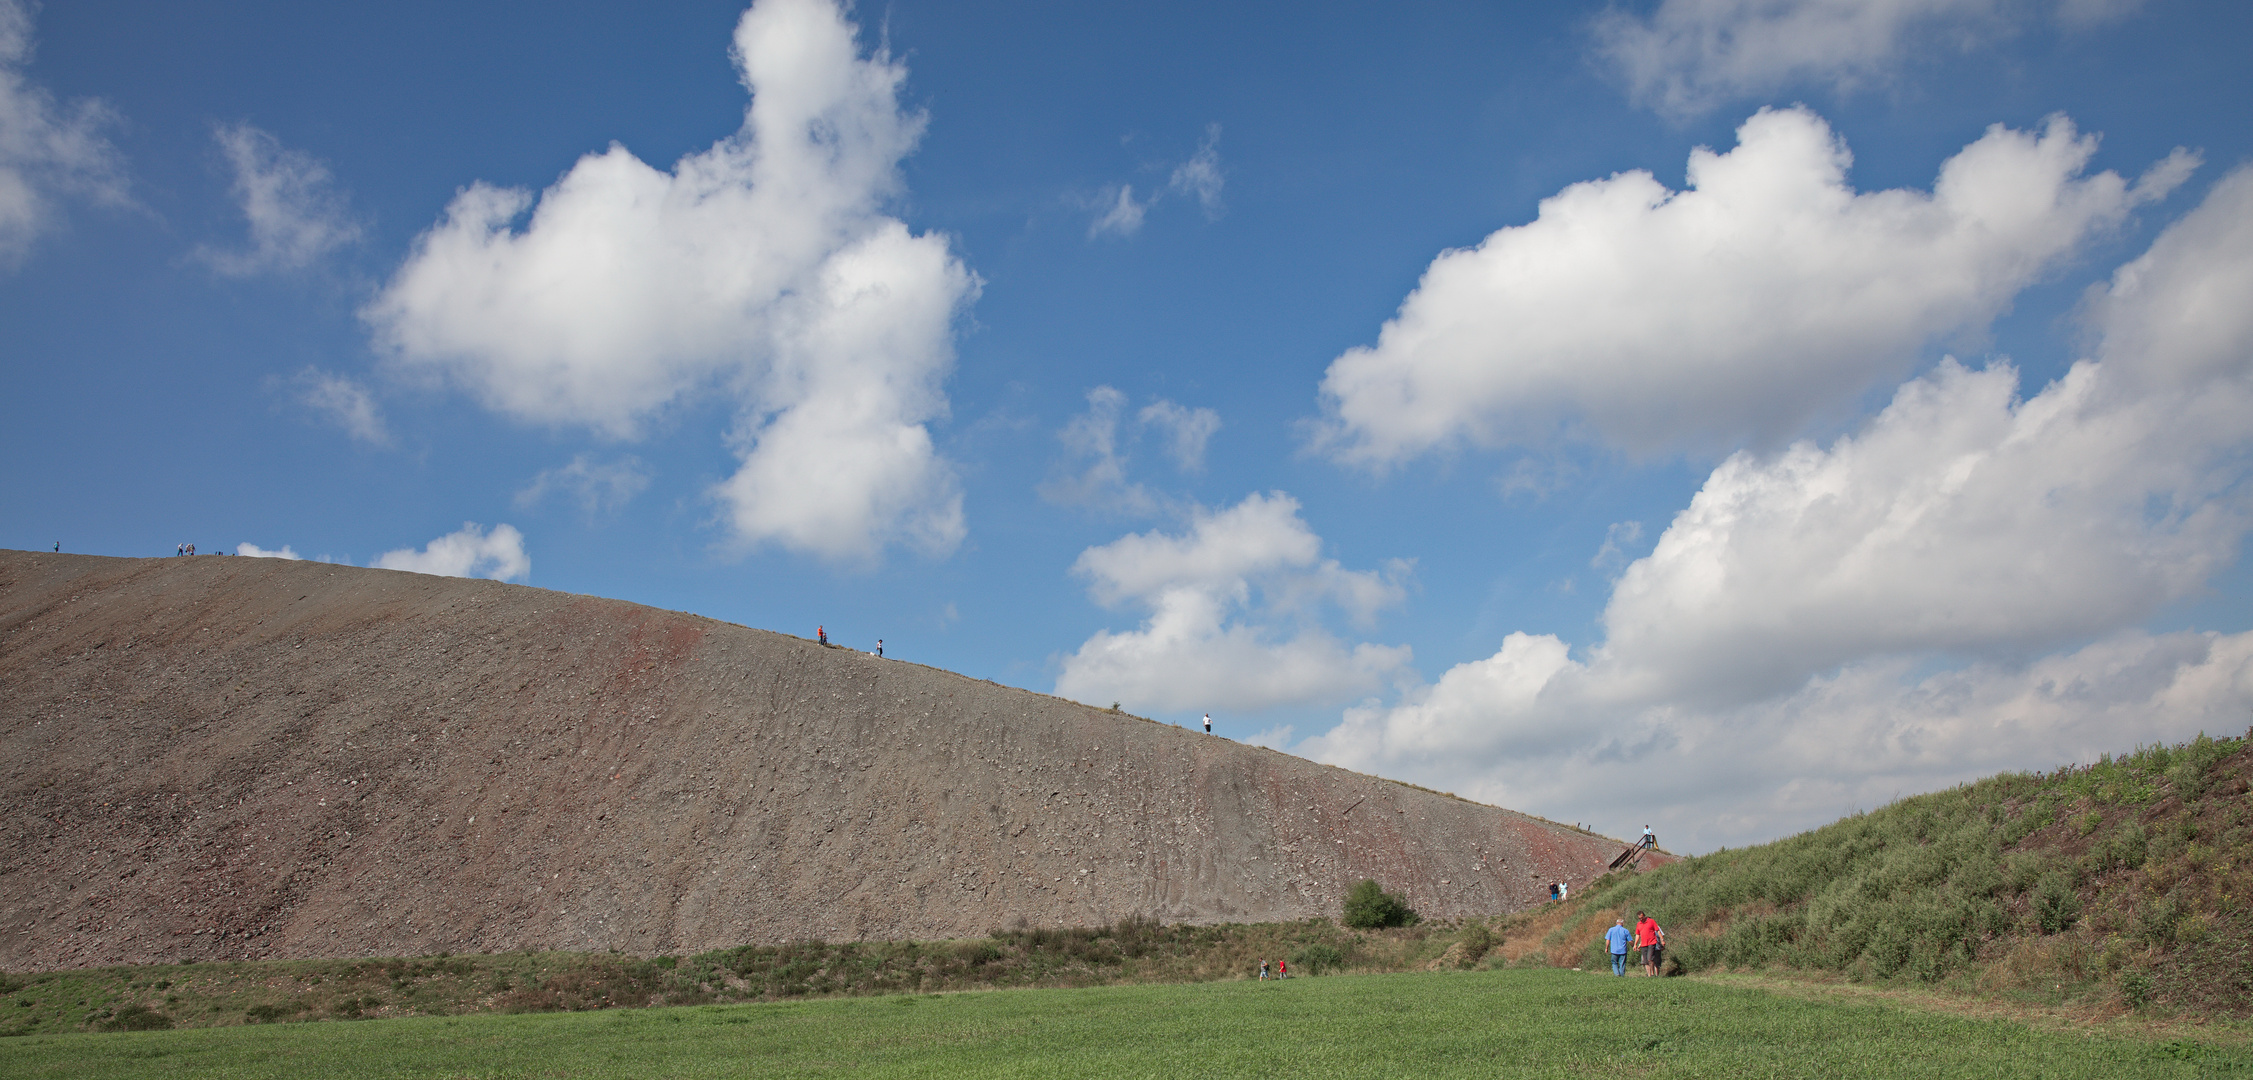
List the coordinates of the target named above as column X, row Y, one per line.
column 1370, row 907
column 2122, row 880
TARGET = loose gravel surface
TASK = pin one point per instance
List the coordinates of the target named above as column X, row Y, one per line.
column 214, row 758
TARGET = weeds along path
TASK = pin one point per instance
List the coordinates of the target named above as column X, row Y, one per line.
column 216, row 758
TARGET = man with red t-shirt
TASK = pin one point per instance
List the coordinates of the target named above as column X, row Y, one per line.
column 1652, row 940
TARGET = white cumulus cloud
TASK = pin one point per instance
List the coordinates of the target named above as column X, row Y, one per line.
column 254, row 551
column 764, row 267
column 1829, row 626
column 1767, row 293
column 1531, row 728
column 48, row 149
column 295, row 212
column 1689, row 55
column 470, row 552
column 1233, row 623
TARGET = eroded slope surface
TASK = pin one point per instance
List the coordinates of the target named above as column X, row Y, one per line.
column 214, row 757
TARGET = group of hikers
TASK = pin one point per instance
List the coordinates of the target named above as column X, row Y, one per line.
column 1648, row 937
column 1282, row 969
column 821, row 634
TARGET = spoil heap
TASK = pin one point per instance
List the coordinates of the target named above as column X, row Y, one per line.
column 216, row 758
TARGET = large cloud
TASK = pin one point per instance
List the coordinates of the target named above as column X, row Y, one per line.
column 1766, row 293
column 1531, row 728
column 1233, row 624
column 47, row 149
column 763, row 266
column 1788, row 621
column 1689, row 55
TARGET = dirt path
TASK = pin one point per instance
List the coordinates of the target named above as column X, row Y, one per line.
column 214, row 757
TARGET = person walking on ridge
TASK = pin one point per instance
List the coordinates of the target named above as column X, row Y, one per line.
column 880, row 648
column 1616, row 939
column 1648, row 839
column 1208, row 723
column 821, row 634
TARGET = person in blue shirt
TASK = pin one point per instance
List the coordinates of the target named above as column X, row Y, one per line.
column 1617, row 937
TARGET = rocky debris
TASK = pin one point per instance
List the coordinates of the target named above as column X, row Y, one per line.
column 226, row 758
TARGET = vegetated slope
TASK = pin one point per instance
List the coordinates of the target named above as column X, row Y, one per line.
column 2123, row 883
column 121, row 998
column 229, row 758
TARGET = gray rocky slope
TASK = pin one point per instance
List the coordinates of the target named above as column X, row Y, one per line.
column 217, row 757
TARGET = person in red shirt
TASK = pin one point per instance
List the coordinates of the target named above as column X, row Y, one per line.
column 1651, row 938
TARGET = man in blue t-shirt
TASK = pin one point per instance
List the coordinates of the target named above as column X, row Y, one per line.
column 1617, row 937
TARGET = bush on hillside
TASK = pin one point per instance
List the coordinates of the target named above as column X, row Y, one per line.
column 1370, row 907
column 1316, row 959
column 137, row 1018
column 1477, row 941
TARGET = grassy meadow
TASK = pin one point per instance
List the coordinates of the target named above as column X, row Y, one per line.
column 1488, row 1023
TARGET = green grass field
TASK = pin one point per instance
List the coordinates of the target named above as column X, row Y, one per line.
column 1534, row 1023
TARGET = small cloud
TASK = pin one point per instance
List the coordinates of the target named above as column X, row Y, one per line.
column 1120, row 214
column 1102, row 436
column 1621, row 533
column 1094, row 436
column 1274, row 738
column 1688, row 56
column 598, row 488
column 1187, row 430
column 254, row 551
column 1536, row 477
column 1201, row 175
column 295, row 213
column 471, row 552
column 345, row 403
column 1233, row 616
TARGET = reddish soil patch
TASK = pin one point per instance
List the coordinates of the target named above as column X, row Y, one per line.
column 218, row 758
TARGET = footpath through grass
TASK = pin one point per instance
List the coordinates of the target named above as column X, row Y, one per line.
column 1510, row 1023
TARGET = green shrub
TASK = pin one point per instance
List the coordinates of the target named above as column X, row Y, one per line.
column 269, row 1013
column 2156, row 920
column 1477, row 941
column 2135, row 988
column 2056, row 905
column 137, row 1018
column 1316, row 959
column 1369, row 907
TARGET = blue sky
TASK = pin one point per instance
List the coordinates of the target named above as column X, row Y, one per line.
column 1713, row 413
